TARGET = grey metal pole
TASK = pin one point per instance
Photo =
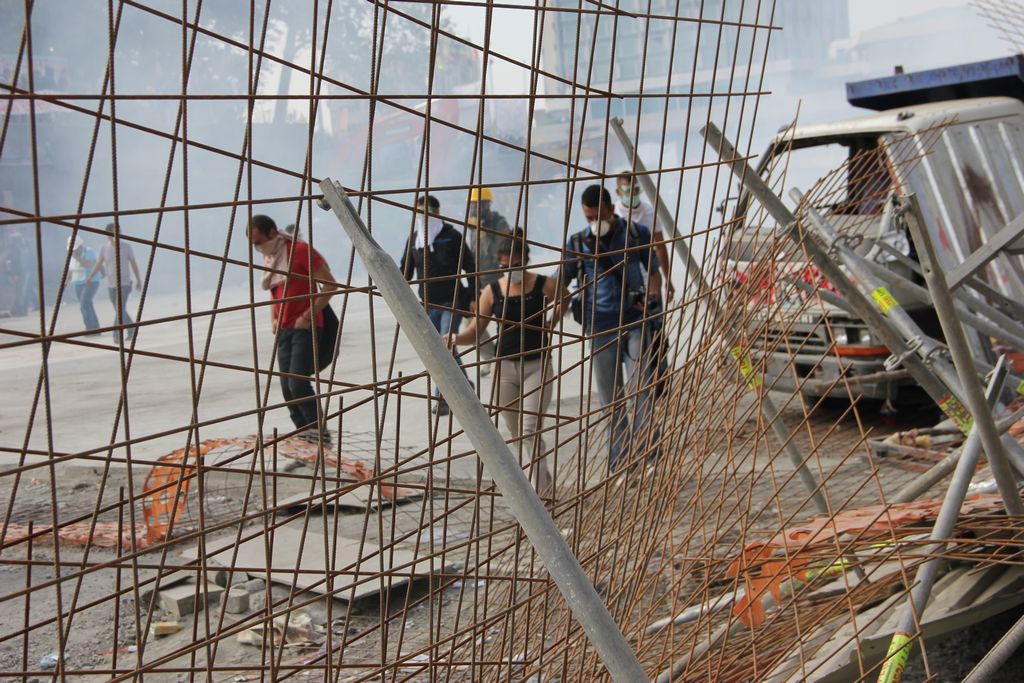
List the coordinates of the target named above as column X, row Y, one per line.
column 994, row 659
column 900, row 646
column 916, row 488
column 1002, row 327
column 968, row 301
column 964, row 363
column 695, row 612
column 502, row 465
column 679, row 666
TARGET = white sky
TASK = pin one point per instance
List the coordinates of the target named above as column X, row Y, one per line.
column 865, row 14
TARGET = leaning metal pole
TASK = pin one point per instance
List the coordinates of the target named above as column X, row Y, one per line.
column 900, row 645
column 992, row 662
column 964, row 363
column 937, row 472
column 502, row 465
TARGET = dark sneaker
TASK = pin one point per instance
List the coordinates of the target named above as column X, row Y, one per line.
column 441, row 408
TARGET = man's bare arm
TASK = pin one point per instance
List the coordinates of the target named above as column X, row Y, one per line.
column 662, row 251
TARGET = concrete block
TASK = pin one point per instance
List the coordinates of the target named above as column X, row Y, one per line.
column 237, row 601
column 182, row 600
column 172, row 579
column 254, row 585
column 219, row 576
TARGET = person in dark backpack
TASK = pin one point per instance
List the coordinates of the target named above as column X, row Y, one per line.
column 436, row 256
column 523, row 379
column 292, row 272
column 618, row 302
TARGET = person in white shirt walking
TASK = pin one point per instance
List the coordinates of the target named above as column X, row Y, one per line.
column 630, row 205
column 83, row 258
column 116, row 257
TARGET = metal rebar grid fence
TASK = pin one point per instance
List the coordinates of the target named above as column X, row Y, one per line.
column 1005, row 17
column 222, row 458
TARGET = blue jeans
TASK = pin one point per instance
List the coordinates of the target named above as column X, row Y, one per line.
column 619, row 373
column 85, row 293
column 445, row 322
column 125, row 318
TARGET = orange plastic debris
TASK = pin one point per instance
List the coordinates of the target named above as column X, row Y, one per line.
column 165, row 495
column 104, row 535
column 165, row 490
column 764, row 565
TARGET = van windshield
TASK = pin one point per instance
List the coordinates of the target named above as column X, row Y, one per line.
column 843, row 174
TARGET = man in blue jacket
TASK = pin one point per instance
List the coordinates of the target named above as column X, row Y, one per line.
column 617, row 300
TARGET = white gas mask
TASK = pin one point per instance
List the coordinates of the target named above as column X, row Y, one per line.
column 600, row 228
column 630, row 197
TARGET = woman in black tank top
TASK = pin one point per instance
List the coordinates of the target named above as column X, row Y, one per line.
column 518, row 301
column 521, row 333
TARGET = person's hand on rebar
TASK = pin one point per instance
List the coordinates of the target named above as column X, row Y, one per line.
column 449, row 341
column 670, row 290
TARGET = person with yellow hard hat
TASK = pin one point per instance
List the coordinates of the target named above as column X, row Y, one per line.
column 488, row 240
column 489, row 234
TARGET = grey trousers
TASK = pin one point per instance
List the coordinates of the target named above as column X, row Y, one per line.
column 523, row 392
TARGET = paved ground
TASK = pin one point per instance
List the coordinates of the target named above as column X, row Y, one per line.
column 79, row 413
column 77, row 407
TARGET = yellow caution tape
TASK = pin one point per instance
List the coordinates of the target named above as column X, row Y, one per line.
column 957, row 413
column 884, row 299
column 746, row 367
column 895, row 659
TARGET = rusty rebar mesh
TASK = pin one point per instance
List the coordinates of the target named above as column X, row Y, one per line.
column 1005, row 16
column 436, row 581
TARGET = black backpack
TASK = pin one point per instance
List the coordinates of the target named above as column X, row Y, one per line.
column 327, row 339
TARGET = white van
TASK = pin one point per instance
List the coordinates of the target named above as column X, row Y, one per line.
column 963, row 158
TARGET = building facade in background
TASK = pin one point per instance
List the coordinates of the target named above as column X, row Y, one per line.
column 647, row 61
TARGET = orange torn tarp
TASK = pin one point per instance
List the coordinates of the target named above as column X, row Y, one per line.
column 165, row 495
column 104, row 535
column 166, row 489
column 777, row 567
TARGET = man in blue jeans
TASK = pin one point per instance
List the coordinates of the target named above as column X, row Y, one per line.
column 435, row 257
column 617, row 300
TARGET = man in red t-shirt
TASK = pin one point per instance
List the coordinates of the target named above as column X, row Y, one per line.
column 296, row 277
